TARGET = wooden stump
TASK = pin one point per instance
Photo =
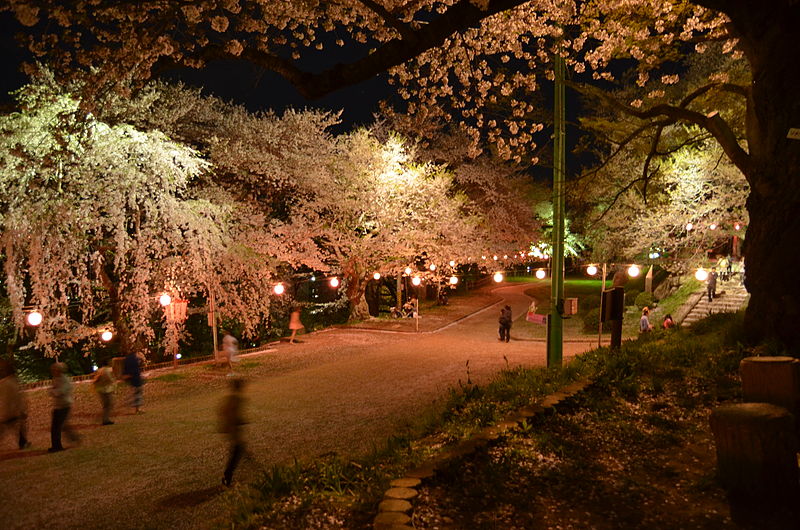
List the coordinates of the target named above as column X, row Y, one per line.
column 756, row 449
column 773, row 380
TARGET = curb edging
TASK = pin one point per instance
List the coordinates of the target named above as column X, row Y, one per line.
column 394, row 511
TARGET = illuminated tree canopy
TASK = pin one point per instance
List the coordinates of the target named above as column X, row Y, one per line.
column 456, row 59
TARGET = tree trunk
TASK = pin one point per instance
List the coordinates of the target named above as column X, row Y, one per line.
column 768, row 39
column 354, row 290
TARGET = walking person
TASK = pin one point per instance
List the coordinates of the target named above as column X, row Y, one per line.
column 711, row 286
column 505, row 324
column 132, row 373
column 104, row 384
column 13, row 408
column 231, row 421
column 230, row 347
column 295, row 323
column 61, row 392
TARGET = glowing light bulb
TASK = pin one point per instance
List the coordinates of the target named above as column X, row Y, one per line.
column 408, row 270
column 712, row 226
column 498, row 277
column 279, row 289
column 334, row 282
column 34, row 318
column 165, row 299
column 689, row 226
column 432, row 267
column 540, row 274
column 633, row 271
column 591, row 270
column 106, row 336
column 452, row 263
column 376, row 276
column 416, row 280
column 453, row 280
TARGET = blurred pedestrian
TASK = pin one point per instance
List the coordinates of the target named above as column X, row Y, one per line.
column 230, row 423
column 295, row 323
column 104, row 384
column 505, row 324
column 132, row 374
column 230, row 348
column 13, row 408
column 61, row 392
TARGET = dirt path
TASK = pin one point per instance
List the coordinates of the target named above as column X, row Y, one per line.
column 342, row 391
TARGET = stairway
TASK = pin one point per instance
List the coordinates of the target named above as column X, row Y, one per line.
column 731, row 297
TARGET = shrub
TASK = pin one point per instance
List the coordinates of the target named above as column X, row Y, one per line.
column 591, row 320
column 630, row 296
column 644, row 299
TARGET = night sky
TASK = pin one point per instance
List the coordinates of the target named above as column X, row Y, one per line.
column 238, row 81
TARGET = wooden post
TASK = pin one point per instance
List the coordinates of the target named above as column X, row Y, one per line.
column 756, row 450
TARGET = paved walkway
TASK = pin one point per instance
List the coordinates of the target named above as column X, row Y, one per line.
column 341, row 390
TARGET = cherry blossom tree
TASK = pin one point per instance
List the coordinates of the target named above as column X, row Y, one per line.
column 455, row 58
column 379, row 210
column 104, row 218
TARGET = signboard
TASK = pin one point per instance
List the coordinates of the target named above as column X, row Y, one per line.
column 536, row 318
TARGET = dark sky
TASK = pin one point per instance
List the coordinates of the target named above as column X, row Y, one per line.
column 239, row 82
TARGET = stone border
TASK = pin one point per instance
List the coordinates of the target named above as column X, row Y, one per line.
column 394, row 511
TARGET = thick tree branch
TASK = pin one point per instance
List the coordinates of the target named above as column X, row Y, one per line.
column 713, row 123
column 460, row 16
column 404, row 30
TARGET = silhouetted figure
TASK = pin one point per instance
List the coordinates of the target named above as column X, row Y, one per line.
column 711, row 286
column 132, row 373
column 13, row 408
column 295, row 323
column 505, row 324
column 104, row 384
column 61, row 392
column 230, row 423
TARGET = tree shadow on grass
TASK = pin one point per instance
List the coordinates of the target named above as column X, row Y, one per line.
column 190, row 499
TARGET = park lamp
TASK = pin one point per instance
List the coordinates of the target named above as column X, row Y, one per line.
column 334, row 282
column 453, row 280
column 540, row 274
column 432, row 267
column 452, row 263
column 701, row 274
column 165, row 299
column 737, row 226
column 633, row 271
column 591, row 270
column 416, row 280
column 689, row 226
column 408, row 271
column 712, row 226
column 376, row 275
column 34, row 318
column 106, row 335
column 494, row 257
column 498, row 277
column 279, row 289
